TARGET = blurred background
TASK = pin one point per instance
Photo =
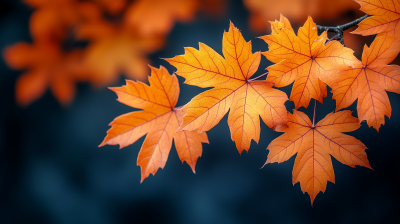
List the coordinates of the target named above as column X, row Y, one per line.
column 60, row 55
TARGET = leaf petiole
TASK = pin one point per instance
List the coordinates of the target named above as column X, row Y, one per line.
column 258, row 77
column 315, row 111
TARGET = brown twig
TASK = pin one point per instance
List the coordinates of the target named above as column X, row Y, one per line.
column 340, row 29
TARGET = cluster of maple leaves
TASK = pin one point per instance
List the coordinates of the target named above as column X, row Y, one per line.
column 118, row 34
column 93, row 41
column 310, row 60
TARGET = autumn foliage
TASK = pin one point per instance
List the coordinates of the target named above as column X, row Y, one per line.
column 307, row 58
column 304, row 59
column 119, row 34
column 314, row 144
column 230, row 76
column 159, row 120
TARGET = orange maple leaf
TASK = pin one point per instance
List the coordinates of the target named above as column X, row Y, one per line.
column 48, row 66
column 248, row 99
column 314, row 145
column 158, row 119
column 368, row 80
column 304, row 60
column 385, row 17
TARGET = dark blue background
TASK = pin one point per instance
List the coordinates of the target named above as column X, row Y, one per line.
column 51, row 170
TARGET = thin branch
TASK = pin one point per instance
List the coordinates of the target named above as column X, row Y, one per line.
column 315, row 111
column 340, row 29
column 258, row 77
column 343, row 27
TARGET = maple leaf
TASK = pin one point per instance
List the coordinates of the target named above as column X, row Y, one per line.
column 385, row 17
column 158, row 16
column 233, row 89
column 304, row 59
column 368, row 80
column 158, row 119
column 47, row 66
column 314, row 145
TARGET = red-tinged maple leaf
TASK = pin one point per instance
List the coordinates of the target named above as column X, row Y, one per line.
column 314, row 145
column 247, row 99
column 368, row 81
column 158, row 119
column 152, row 17
column 385, row 17
column 113, row 49
column 47, row 67
column 304, row 60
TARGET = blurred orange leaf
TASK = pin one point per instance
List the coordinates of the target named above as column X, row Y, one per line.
column 113, row 6
column 263, row 11
column 114, row 49
column 122, row 52
column 52, row 18
column 47, row 66
column 314, row 145
column 152, row 17
column 158, row 119
column 230, row 77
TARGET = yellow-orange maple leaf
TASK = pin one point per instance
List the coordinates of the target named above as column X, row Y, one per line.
column 229, row 76
column 158, row 119
column 368, row 80
column 385, row 17
column 314, row 145
column 48, row 66
column 304, row 60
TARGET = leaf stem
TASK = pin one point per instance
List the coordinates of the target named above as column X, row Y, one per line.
column 258, row 77
column 333, row 38
column 315, row 111
column 340, row 29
